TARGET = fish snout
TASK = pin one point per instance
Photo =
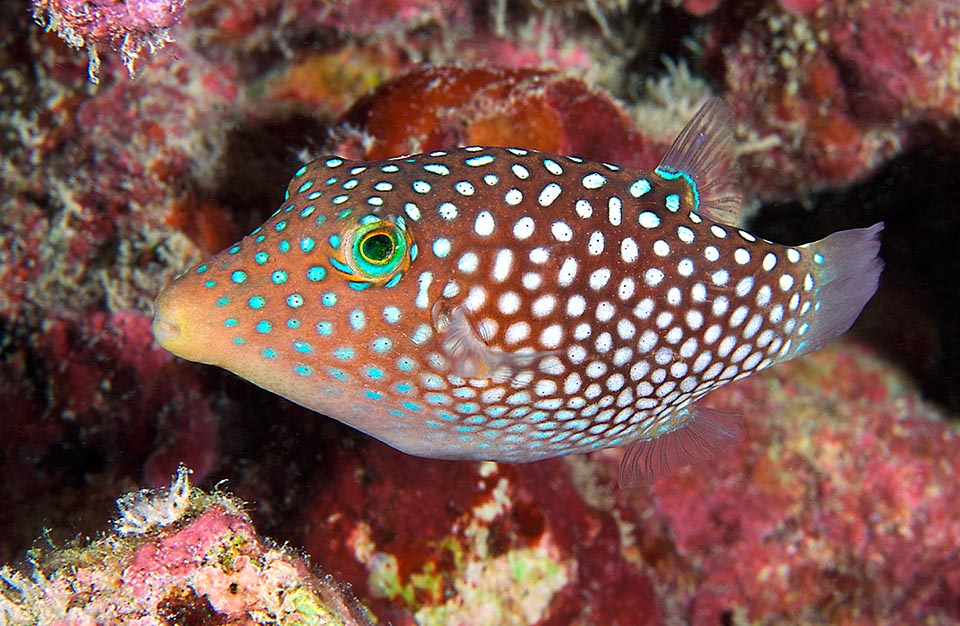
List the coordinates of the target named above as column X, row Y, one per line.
column 165, row 330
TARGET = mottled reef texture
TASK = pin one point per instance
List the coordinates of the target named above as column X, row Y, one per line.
column 840, row 507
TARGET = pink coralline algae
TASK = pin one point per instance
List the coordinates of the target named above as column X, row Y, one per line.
column 828, row 92
column 128, row 26
column 180, row 556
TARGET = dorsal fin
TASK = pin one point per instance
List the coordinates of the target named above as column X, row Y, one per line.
column 703, row 153
column 707, row 434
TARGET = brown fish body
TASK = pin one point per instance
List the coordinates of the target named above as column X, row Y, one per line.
column 488, row 303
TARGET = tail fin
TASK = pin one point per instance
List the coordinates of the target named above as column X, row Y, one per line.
column 846, row 278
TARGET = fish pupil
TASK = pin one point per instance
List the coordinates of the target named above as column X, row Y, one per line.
column 377, row 248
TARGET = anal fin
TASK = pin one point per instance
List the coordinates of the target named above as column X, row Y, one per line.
column 708, row 434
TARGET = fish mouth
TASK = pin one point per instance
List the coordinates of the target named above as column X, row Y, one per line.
column 165, row 331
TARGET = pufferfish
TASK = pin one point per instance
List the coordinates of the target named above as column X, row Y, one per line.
column 511, row 305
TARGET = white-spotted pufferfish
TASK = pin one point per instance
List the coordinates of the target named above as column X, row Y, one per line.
column 512, row 305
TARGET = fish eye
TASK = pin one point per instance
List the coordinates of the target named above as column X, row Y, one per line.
column 377, row 248
column 377, row 252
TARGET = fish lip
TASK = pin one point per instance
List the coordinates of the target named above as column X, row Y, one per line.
column 164, row 330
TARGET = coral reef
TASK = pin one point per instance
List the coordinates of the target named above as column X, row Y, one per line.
column 175, row 556
column 437, row 107
column 833, row 90
column 128, row 26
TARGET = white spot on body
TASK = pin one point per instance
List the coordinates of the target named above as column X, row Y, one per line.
column 549, row 193
column 615, row 211
column 502, row 264
column 561, row 231
column 508, row 302
column 599, row 278
column 584, row 209
column 448, row 211
column 468, row 263
column 524, row 227
column 568, row 271
column 649, row 219
column 484, row 224
column 544, row 305
column 517, row 332
column 594, row 180
column 423, row 284
column 661, row 247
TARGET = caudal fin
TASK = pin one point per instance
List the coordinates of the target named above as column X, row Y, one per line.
column 847, row 273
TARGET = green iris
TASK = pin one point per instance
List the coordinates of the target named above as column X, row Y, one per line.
column 378, row 250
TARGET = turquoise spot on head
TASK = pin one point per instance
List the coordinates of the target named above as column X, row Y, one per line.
column 235, row 249
column 203, row 268
column 210, row 284
column 305, row 186
column 278, row 277
column 261, row 257
column 304, row 370
column 222, row 302
column 239, row 341
column 338, row 373
column 281, row 225
column 283, row 246
column 391, row 314
column 257, row 302
column 324, row 328
column 357, row 319
column 308, row 211
column 230, row 322
column 300, row 172
column 293, row 323
column 264, row 326
column 238, row 276
column 307, row 244
column 316, row 273
column 373, row 395
column 302, row 346
column 260, row 238
column 328, row 299
column 269, row 353
column 294, row 301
